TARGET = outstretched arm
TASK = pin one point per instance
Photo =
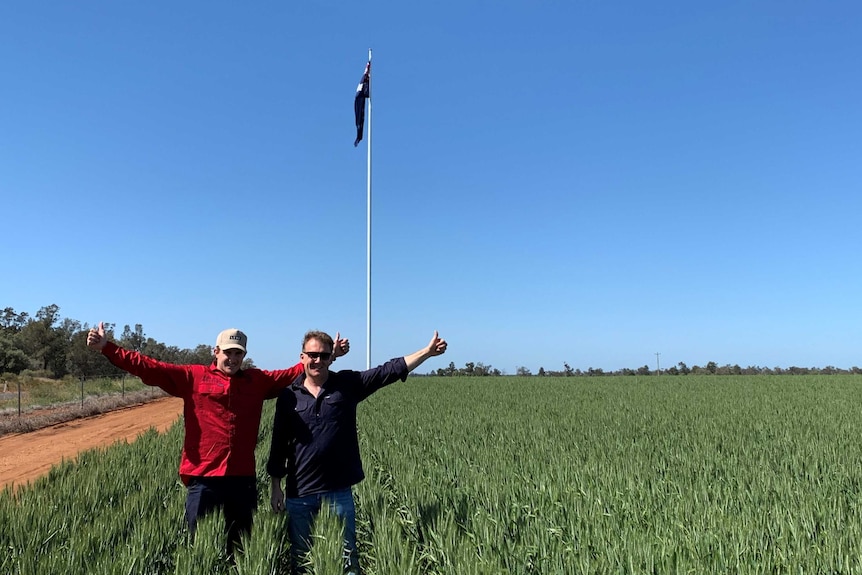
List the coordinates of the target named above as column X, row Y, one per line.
column 397, row 368
column 436, row 346
column 177, row 380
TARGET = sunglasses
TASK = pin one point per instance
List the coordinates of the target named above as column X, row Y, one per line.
column 324, row 355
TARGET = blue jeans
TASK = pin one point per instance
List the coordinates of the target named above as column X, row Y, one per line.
column 300, row 522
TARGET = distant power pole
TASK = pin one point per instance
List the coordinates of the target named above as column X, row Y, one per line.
column 657, row 365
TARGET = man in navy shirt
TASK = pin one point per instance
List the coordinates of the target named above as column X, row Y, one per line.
column 314, row 440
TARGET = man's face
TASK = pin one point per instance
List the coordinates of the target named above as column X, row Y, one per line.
column 229, row 361
column 316, row 358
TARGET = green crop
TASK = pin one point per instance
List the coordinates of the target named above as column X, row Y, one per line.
column 694, row 474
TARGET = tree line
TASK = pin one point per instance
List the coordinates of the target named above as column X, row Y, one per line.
column 53, row 346
column 711, row 368
column 56, row 347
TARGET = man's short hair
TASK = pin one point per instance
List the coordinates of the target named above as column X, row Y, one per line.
column 320, row 336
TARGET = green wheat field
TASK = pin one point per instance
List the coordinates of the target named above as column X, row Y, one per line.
column 508, row 475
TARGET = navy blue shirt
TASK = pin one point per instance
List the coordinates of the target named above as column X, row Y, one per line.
column 314, row 440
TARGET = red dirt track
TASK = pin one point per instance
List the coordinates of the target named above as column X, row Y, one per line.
column 26, row 456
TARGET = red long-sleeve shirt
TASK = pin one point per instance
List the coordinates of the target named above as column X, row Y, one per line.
column 221, row 413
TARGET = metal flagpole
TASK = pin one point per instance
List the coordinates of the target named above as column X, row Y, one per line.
column 368, row 242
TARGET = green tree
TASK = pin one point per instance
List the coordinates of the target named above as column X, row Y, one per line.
column 201, row 355
column 133, row 340
column 84, row 362
column 158, row 350
column 38, row 338
column 12, row 358
column 11, row 321
column 482, row 369
column 61, row 346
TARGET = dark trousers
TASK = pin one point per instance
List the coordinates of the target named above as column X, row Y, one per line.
column 235, row 496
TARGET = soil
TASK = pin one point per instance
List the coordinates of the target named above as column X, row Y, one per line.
column 26, row 456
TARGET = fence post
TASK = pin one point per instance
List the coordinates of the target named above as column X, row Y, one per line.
column 82, row 392
column 19, row 397
column 124, row 386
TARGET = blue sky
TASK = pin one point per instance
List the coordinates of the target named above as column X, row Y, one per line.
column 581, row 182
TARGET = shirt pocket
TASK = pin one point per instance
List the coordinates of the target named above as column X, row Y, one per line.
column 302, row 422
column 210, row 388
column 335, row 405
column 304, row 409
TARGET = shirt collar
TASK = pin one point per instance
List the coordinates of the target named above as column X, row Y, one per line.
column 299, row 382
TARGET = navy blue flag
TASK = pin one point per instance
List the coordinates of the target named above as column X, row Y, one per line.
column 363, row 92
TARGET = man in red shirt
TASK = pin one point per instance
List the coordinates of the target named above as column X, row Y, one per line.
column 222, row 406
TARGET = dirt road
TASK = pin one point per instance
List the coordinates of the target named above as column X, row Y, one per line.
column 26, row 456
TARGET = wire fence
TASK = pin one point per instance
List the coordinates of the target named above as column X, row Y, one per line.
column 29, row 402
column 27, row 394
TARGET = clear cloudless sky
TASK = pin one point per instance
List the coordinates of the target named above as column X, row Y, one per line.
column 552, row 181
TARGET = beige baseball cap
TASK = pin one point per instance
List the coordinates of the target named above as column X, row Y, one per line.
column 231, row 339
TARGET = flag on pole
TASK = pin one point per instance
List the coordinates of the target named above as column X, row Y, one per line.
column 363, row 92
